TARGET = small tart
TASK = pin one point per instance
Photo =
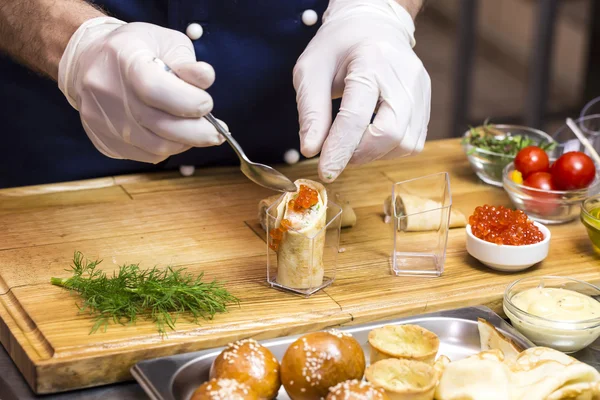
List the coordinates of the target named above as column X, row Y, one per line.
column 410, row 342
column 403, row 379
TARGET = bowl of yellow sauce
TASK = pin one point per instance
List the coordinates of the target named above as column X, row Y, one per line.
column 590, row 217
column 553, row 311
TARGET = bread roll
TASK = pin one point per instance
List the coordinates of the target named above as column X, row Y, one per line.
column 250, row 363
column 224, row 389
column 403, row 379
column 356, row 390
column 403, row 341
column 318, row 361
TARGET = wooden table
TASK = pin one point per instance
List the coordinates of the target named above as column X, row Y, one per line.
column 208, row 223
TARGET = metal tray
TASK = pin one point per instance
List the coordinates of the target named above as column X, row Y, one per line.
column 176, row 377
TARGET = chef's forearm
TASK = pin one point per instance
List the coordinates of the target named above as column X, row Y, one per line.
column 412, row 6
column 36, row 32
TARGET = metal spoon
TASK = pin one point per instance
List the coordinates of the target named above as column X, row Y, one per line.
column 260, row 174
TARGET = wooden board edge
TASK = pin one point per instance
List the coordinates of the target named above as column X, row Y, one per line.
column 57, row 375
column 18, row 347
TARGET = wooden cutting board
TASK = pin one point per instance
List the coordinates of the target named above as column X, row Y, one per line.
column 208, row 223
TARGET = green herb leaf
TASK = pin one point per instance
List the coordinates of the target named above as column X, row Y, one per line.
column 486, row 137
column 157, row 295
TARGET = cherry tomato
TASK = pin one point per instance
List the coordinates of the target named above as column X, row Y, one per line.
column 542, row 203
column 540, row 180
column 531, row 159
column 573, row 170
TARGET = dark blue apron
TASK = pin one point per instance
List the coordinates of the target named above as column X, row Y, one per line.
column 252, row 45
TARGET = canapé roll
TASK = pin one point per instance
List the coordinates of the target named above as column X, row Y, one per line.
column 296, row 237
column 422, row 214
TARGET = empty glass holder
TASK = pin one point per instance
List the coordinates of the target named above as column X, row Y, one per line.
column 303, row 261
column 421, row 220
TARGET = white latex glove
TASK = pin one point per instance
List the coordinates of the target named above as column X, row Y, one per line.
column 362, row 53
column 130, row 107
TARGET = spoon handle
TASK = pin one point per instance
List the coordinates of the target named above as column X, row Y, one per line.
column 584, row 141
column 234, row 144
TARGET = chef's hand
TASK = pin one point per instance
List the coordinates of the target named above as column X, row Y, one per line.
column 363, row 53
column 130, row 107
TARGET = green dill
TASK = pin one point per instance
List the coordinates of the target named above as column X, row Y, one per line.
column 157, row 295
column 486, row 137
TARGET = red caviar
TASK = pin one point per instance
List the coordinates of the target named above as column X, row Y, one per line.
column 306, row 198
column 502, row 225
column 277, row 234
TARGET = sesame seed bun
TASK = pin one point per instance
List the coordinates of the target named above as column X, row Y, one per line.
column 224, row 389
column 250, row 363
column 318, row 361
column 356, row 390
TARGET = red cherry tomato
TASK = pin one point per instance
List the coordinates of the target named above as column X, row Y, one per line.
column 540, row 180
column 531, row 159
column 542, row 203
column 573, row 170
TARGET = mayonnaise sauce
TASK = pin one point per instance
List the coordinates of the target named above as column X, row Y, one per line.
column 557, row 304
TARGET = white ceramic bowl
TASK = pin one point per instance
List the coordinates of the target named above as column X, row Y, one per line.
column 505, row 257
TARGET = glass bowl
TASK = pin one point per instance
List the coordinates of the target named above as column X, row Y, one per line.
column 590, row 217
column 489, row 165
column 567, row 141
column 566, row 336
column 548, row 206
column 592, row 108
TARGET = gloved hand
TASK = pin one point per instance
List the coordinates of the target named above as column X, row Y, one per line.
column 130, row 107
column 363, row 53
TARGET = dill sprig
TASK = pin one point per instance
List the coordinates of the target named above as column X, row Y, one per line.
column 157, row 295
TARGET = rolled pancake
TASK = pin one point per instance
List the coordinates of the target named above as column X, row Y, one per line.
column 348, row 214
column 491, row 338
column 423, row 214
column 300, row 252
column 538, row 373
column 263, row 206
column 482, row 376
column 544, row 373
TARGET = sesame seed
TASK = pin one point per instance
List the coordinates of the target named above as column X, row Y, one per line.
column 302, row 390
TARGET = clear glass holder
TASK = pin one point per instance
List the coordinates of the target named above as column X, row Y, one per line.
column 304, row 262
column 421, row 210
